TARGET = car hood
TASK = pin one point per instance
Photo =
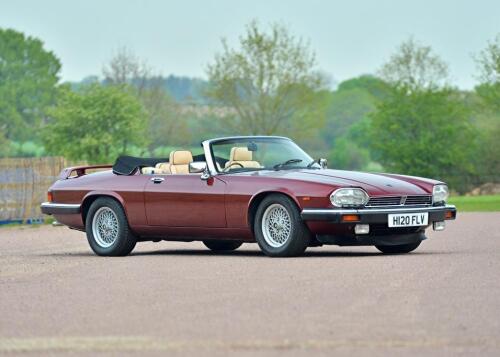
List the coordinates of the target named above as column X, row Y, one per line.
column 372, row 183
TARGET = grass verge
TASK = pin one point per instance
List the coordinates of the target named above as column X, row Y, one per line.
column 476, row 203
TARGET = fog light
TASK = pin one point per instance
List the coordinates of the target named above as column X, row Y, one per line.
column 362, row 228
column 438, row 226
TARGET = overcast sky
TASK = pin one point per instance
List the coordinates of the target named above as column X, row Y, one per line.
column 350, row 37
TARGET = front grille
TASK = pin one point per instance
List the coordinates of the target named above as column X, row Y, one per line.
column 385, row 201
column 418, row 200
column 398, row 201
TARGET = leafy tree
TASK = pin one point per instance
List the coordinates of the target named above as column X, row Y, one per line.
column 346, row 107
column 95, row 125
column 269, row 82
column 4, row 145
column 488, row 111
column 488, row 62
column 375, row 86
column 347, row 155
column 125, row 68
column 422, row 127
column 347, row 120
column 166, row 124
column 28, row 83
column 415, row 67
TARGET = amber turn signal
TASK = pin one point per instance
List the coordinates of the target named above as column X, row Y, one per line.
column 50, row 197
column 448, row 215
column 350, row 218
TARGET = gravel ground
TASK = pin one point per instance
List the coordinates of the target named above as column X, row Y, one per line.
column 57, row 298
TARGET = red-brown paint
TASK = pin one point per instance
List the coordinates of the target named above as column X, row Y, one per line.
column 187, row 206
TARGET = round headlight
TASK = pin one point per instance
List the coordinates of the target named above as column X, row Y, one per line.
column 349, row 197
column 440, row 193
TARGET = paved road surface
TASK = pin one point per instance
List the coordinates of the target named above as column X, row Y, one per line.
column 179, row 299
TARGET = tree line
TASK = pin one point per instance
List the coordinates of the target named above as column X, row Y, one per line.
column 407, row 118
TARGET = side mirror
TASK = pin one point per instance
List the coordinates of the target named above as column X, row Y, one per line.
column 323, row 163
column 205, row 176
column 197, row 167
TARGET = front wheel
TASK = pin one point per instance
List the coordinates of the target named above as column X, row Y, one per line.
column 398, row 249
column 279, row 229
column 107, row 228
column 222, row 245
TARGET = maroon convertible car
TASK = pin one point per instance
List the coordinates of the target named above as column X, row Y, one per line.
column 241, row 190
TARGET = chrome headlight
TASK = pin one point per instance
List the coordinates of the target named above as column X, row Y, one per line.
column 349, row 197
column 440, row 193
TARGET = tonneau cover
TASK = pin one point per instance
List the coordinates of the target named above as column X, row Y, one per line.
column 127, row 165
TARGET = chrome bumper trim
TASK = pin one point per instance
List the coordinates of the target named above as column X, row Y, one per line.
column 334, row 213
column 59, row 208
column 375, row 210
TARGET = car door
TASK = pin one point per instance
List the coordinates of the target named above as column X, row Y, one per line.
column 185, row 201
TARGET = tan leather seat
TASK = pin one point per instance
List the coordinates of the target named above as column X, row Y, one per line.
column 179, row 161
column 242, row 156
column 163, row 168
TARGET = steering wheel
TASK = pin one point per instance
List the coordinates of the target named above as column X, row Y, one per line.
column 232, row 164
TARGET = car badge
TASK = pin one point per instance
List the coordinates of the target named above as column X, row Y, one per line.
column 403, row 200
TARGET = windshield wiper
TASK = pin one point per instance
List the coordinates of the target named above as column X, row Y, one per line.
column 287, row 162
column 309, row 165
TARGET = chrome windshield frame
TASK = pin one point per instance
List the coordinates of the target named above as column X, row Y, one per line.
column 207, row 148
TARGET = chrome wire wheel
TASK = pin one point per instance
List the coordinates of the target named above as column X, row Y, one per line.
column 105, row 227
column 276, row 225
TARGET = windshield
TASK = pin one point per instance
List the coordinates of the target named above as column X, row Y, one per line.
column 249, row 154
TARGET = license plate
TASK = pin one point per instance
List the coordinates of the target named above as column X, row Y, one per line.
column 408, row 219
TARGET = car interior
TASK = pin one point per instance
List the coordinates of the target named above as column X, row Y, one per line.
column 179, row 160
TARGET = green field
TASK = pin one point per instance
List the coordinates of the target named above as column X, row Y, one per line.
column 476, row 203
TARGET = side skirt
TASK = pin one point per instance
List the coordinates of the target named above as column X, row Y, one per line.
column 191, row 233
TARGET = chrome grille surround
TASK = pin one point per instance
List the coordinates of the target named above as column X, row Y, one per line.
column 411, row 200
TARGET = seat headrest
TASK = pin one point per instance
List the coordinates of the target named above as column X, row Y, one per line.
column 180, row 157
column 240, row 154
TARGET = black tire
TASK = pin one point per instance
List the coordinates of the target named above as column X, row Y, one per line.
column 398, row 249
column 299, row 236
column 222, row 245
column 125, row 240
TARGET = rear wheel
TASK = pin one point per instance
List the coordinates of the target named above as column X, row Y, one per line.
column 398, row 249
column 222, row 245
column 107, row 228
column 279, row 229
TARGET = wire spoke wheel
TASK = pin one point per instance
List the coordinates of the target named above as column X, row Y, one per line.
column 276, row 225
column 105, row 227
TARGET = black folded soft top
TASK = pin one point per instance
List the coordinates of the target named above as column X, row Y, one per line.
column 127, row 165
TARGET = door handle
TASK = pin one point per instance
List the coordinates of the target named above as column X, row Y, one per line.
column 157, row 179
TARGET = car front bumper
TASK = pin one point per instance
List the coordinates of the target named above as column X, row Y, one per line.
column 376, row 215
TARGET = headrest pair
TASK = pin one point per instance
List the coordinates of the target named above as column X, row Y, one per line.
column 180, row 157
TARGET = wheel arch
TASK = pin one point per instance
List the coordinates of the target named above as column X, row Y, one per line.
column 259, row 197
column 94, row 195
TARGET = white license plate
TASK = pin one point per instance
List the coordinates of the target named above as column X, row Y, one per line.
column 408, row 219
